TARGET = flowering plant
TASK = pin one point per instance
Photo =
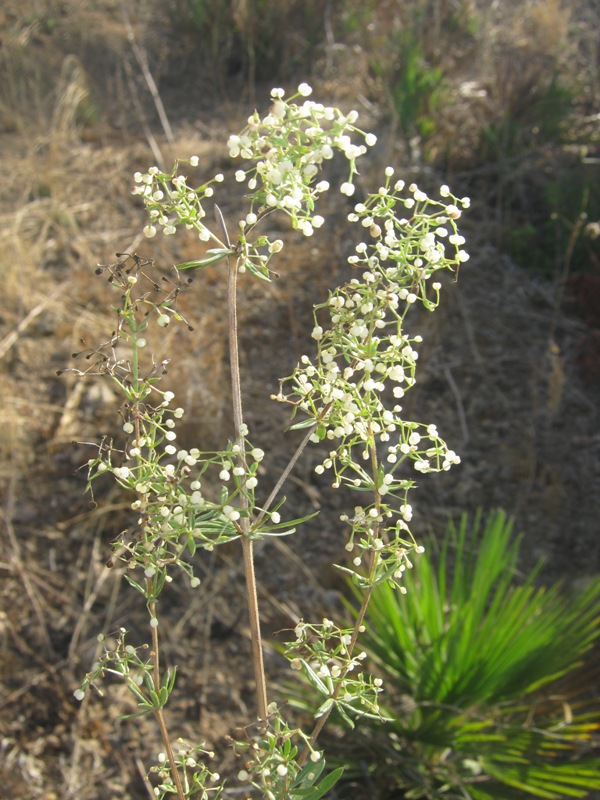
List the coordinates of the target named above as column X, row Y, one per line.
column 347, row 394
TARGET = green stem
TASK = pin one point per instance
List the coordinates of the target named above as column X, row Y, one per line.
column 158, row 712
column 320, row 724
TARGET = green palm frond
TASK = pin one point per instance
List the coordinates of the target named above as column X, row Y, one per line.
column 475, row 666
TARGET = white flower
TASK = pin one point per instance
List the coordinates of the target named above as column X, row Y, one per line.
column 194, row 161
column 149, row 231
column 453, row 212
column 370, row 139
column 278, row 110
column 347, row 189
column 231, row 513
column 305, row 90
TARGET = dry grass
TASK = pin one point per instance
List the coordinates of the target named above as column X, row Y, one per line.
column 70, row 139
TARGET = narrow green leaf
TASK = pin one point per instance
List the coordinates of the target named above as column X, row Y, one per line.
column 326, row 784
column 216, row 255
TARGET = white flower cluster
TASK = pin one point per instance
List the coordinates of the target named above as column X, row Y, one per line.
column 170, row 202
column 415, row 246
column 325, row 653
column 288, row 146
column 174, row 512
column 364, row 359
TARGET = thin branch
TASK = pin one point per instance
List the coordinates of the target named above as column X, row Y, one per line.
column 320, row 724
column 158, row 712
column 140, row 57
column 247, row 544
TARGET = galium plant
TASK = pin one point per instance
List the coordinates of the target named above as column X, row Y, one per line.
column 338, row 395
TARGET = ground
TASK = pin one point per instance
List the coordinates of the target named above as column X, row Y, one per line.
column 509, row 372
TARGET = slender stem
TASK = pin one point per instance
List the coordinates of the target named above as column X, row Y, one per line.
column 320, row 724
column 158, row 712
column 284, row 475
column 170, row 755
column 247, row 544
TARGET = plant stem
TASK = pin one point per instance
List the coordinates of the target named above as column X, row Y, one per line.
column 247, row 544
column 284, row 475
column 320, row 724
column 158, row 712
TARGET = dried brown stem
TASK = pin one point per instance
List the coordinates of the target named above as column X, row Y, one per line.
column 247, row 544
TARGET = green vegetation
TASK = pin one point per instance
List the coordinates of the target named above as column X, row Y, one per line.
column 481, row 678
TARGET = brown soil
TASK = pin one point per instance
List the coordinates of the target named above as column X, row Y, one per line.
column 509, row 372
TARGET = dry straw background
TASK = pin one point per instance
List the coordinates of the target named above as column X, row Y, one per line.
column 91, row 92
